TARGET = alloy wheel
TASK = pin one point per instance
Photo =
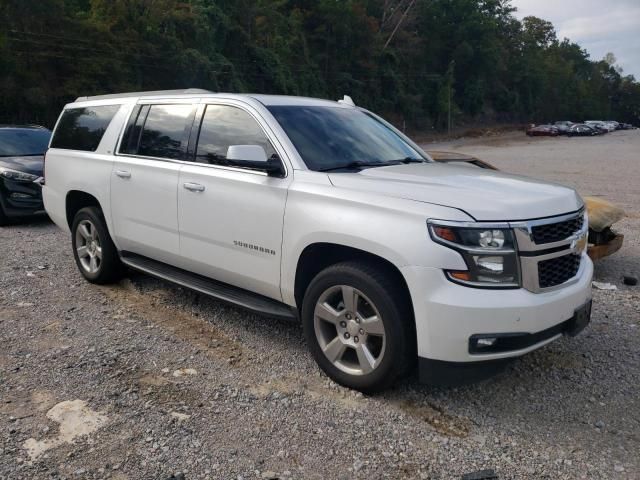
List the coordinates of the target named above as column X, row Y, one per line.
column 88, row 246
column 349, row 330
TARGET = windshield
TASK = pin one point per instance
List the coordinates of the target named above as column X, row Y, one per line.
column 23, row 141
column 329, row 138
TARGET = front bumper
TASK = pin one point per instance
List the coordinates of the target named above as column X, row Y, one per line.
column 448, row 315
column 20, row 199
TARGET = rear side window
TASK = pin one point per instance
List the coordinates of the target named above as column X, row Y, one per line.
column 158, row 131
column 223, row 126
column 83, row 128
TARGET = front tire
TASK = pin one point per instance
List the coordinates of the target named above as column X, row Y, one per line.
column 358, row 324
column 95, row 254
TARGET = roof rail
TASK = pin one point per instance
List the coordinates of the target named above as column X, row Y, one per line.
column 188, row 91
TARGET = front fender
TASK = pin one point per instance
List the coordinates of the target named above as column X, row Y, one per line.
column 391, row 228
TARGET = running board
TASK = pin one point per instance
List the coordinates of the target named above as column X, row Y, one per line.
column 250, row 301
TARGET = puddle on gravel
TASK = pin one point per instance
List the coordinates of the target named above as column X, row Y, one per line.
column 75, row 419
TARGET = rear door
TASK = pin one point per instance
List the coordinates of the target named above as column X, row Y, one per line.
column 231, row 218
column 144, row 181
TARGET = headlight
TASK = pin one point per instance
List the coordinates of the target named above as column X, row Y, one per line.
column 489, row 252
column 17, row 176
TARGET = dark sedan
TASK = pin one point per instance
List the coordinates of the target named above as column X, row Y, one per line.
column 22, row 150
column 582, row 130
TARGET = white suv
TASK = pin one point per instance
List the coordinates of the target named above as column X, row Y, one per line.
column 322, row 211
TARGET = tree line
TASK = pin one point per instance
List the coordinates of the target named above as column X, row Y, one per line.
column 414, row 61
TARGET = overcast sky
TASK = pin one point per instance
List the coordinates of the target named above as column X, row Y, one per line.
column 599, row 26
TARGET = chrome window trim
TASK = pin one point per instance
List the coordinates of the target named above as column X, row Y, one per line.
column 262, row 123
column 195, row 103
column 207, row 165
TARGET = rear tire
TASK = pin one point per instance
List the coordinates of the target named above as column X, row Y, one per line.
column 358, row 323
column 95, row 254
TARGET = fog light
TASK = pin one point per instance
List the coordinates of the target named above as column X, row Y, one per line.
column 485, row 342
column 20, row 195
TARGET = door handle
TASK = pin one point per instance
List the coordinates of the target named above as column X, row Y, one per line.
column 194, row 187
column 123, row 174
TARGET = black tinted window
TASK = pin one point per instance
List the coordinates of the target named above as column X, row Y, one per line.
column 82, row 128
column 23, row 141
column 223, row 126
column 131, row 137
column 165, row 131
column 331, row 137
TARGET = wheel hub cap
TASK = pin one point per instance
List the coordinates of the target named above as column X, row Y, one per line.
column 353, row 328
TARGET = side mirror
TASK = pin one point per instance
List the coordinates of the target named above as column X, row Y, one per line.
column 253, row 156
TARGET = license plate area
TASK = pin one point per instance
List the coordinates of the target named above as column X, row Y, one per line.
column 581, row 318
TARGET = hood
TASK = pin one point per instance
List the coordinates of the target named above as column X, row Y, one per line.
column 486, row 195
column 32, row 164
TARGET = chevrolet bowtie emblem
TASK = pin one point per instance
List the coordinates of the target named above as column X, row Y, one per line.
column 580, row 244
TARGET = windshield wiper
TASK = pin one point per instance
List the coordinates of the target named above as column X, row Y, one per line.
column 410, row 160
column 361, row 164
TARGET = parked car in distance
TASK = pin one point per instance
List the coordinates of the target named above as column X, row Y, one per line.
column 600, row 126
column 582, row 130
column 321, row 211
column 563, row 127
column 542, row 130
column 22, row 150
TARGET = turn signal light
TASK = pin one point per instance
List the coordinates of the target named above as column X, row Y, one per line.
column 445, row 233
column 464, row 276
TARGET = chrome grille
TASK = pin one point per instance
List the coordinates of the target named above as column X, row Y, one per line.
column 555, row 232
column 550, row 250
column 556, row 271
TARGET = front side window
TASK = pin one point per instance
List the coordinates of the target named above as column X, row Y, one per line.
column 83, row 128
column 23, row 141
column 331, row 138
column 223, row 126
column 165, row 131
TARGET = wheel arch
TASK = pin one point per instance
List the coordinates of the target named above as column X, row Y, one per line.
column 76, row 200
column 318, row 256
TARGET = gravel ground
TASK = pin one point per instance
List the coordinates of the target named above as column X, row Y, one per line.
column 143, row 380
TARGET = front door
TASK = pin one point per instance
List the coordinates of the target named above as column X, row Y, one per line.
column 231, row 218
